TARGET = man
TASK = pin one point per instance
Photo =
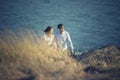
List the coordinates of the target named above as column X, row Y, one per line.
column 64, row 40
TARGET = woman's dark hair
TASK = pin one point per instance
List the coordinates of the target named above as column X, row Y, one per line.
column 48, row 29
column 60, row 26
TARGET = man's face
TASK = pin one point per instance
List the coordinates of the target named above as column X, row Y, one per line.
column 61, row 29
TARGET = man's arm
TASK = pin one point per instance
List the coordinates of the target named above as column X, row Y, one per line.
column 70, row 43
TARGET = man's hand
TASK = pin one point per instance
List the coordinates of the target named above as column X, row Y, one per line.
column 72, row 51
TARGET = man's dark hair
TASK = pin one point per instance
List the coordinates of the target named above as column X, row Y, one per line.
column 60, row 26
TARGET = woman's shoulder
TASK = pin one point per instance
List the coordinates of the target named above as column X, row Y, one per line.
column 44, row 35
column 53, row 35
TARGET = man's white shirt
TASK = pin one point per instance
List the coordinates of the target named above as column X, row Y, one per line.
column 64, row 40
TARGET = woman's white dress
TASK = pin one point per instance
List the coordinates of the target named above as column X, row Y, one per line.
column 50, row 40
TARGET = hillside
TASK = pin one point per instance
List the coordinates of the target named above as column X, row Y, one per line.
column 24, row 56
column 102, row 64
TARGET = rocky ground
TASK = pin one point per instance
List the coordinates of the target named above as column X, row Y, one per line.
column 102, row 64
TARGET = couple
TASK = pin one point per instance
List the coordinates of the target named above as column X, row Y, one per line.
column 61, row 39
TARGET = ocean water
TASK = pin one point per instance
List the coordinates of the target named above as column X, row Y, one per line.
column 92, row 24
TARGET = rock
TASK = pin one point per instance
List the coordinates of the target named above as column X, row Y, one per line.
column 32, row 77
column 108, row 54
column 102, row 64
column 28, row 78
column 91, row 69
column 26, row 70
column 0, row 60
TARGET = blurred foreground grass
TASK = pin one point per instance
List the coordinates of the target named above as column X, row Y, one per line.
column 24, row 54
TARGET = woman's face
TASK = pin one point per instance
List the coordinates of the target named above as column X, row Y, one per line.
column 51, row 31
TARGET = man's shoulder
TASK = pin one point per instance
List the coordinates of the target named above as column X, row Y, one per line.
column 66, row 32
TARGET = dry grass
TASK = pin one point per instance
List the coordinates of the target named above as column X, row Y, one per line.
column 108, row 57
column 24, row 53
column 102, row 64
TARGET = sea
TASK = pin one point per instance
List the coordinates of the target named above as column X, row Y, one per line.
column 92, row 24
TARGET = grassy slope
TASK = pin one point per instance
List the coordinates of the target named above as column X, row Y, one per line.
column 24, row 55
column 103, row 63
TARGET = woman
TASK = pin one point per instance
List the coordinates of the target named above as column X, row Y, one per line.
column 49, row 36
